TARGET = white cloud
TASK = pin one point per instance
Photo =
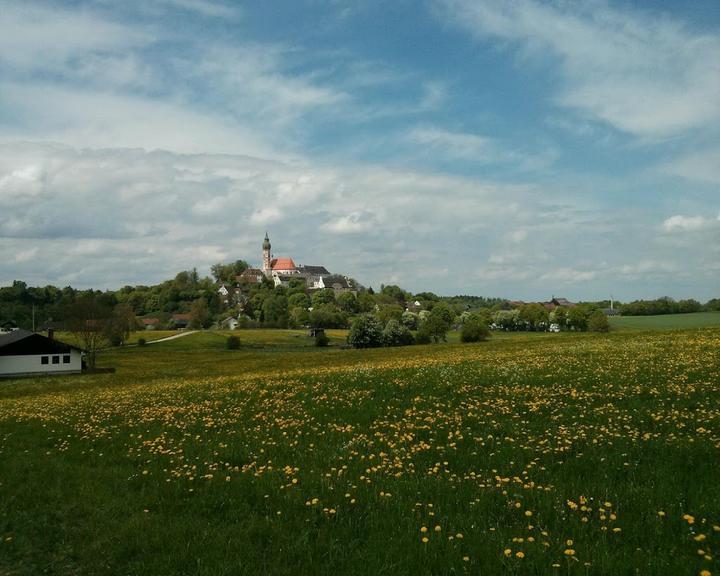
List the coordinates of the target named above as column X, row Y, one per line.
column 349, row 224
column 641, row 73
column 681, row 223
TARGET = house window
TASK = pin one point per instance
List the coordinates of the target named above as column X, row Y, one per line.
column 66, row 359
column 44, row 359
column 56, row 359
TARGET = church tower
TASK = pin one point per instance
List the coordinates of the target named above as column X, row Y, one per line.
column 266, row 256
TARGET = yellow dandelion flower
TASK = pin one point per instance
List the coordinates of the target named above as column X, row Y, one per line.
column 569, row 552
column 528, row 513
column 507, row 552
column 438, row 528
column 520, row 555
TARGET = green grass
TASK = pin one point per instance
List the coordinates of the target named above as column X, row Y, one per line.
column 281, row 458
column 667, row 322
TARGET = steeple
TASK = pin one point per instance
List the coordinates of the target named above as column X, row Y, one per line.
column 267, row 270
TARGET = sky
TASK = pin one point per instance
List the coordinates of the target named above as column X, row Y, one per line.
column 511, row 148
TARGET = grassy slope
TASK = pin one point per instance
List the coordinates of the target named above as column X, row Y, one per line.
column 667, row 322
column 193, row 459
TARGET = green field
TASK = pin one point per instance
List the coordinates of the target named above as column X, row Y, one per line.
column 667, row 322
column 528, row 454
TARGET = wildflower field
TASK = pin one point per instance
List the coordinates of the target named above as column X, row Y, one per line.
column 527, row 454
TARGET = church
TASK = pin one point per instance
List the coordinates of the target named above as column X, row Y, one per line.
column 282, row 270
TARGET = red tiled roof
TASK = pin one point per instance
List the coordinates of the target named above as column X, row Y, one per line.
column 282, row 264
column 150, row 321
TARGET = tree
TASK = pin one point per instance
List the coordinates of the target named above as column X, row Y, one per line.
column 299, row 299
column 325, row 296
column 390, row 312
column 328, row 316
column 435, row 327
column 410, row 320
column 535, row 315
column 275, row 310
column 558, row 316
column 366, row 302
column 199, row 314
column 474, row 329
column 395, row 293
column 444, row 312
column 366, row 332
column 598, row 322
column 395, row 334
column 88, row 319
column 299, row 317
column 120, row 324
column 577, row 318
column 348, row 302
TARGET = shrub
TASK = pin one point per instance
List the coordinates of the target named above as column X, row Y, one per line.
column 321, row 340
column 422, row 337
column 474, row 329
column 598, row 322
column 436, row 327
column 395, row 334
column 366, row 332
column 233, row 343
column 142, row 342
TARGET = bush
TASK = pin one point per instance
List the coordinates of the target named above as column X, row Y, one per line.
column 116, row 340
column 321, row 340
column 366, row 332
column 422, row 337
column 395, row 334
column 142, row 342
column 598, row 322
column 233, row 343
column 474, row 330
column 435, row 327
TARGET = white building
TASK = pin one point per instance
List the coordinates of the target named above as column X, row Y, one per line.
column 24, row 353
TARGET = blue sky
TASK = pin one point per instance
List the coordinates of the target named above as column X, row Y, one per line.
column 509, row 148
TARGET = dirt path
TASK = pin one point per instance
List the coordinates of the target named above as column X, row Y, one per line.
column 173, row 337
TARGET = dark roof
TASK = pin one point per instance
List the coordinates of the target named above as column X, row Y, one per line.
column 313, row 270
column 336, row 280
column 26, row 343
column 250, row 275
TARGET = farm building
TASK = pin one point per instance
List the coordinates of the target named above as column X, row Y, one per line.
column 23, row 352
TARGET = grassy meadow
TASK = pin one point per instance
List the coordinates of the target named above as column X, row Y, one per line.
column 527, row 454
column 667, row 321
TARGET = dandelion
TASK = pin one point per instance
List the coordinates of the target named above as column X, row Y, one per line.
column 507, row 552
column 520, row 555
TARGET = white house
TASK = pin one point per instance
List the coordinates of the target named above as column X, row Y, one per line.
column 23, row 353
